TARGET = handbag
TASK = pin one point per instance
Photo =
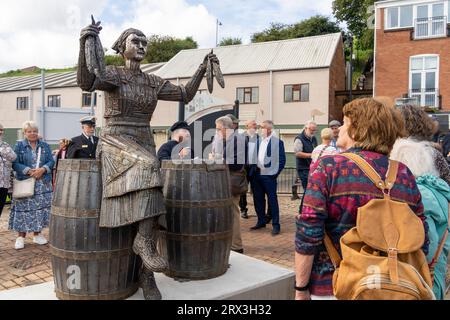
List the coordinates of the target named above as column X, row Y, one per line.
column 239, row 183
column 25, row 188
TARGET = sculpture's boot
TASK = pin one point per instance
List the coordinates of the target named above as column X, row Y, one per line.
column 145, row 246
column 148, row 285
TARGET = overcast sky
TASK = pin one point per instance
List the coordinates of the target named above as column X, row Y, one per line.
column 45, row 33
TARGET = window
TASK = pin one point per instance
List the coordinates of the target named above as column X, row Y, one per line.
column 248, row 95
column 54, row 101
column 448, row 11
column 87, row 97
column 392, row 17
column 406, row 16
column 424, row 75
column 399, row 17
column 296, row 93
column 22, row 103
column 431, row 21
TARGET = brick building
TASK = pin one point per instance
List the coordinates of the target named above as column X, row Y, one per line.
column 412, row 52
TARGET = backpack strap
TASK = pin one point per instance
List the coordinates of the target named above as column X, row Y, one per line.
column 440, row 247
column 332, row 252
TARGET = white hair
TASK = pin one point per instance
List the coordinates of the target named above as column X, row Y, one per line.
column 309, row 123
column 27, row 125
column 269, row 123
column 418, row 156
column 226, row 122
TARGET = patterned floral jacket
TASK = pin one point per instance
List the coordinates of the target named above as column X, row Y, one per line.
column 7, row 156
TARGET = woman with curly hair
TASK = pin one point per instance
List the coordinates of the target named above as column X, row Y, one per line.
column 420, row 127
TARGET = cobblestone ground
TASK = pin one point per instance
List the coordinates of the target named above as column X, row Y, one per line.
column 32, row 265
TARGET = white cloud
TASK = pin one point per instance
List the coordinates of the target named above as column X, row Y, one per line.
column 42, row 33
column 45, row 32
column 174, row 18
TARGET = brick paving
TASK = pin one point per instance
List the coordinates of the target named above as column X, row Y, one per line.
column 32, row 265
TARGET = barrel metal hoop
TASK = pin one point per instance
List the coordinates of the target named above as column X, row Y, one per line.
column 88, row 256
column 198, row 204
column 197, row 237
column 192, row 165
column 75, row 213
column 122, row 295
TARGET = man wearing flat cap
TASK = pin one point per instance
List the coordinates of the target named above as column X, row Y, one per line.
column 334, row 126
column 178, row 146
column 84, row 146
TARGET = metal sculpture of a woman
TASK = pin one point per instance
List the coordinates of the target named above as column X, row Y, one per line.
column 132, row 186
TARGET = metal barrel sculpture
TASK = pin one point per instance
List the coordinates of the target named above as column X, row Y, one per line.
column 199, row 220
column 89, row 263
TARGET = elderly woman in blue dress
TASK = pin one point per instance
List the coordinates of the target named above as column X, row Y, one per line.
column 32, row 215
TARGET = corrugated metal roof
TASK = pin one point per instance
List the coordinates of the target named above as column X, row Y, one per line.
column 293, row 54
column 55, row 80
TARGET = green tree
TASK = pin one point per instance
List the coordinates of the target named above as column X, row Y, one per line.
column 230, row 41
column 276, row 31
column 164, row 48
column 358, row 17
column 314, row 26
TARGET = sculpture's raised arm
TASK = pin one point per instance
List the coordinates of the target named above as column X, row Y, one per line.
column 92, row 72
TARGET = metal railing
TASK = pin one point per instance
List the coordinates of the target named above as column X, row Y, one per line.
column 434, row 27
column 426, row 97
column 286, row 180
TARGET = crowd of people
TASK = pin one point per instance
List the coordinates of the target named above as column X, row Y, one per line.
column 334, row 183
column 32, row 161
column 377, row 132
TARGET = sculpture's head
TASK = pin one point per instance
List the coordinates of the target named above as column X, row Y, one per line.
column 132, row 45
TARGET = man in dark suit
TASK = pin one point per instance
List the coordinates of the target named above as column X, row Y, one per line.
column 84, row 146
column 178, row 147
column 271, row 161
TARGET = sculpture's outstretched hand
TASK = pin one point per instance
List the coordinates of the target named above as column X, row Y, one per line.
column 212, row 58
column 212, row 64
column 91, row 30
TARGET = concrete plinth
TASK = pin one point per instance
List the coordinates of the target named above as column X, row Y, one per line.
column 247, row 279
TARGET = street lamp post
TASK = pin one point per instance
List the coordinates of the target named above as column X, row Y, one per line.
column 349, row 43
column 218, row 23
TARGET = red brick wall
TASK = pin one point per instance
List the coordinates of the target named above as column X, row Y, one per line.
column 337, row 83
column 393, row 50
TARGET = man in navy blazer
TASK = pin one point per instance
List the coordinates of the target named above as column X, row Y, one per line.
column 271, row 161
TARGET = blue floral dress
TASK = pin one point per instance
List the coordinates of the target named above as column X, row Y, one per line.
column 32, row 214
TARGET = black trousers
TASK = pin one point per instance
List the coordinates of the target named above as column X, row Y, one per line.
column 3, row 194
column 243, row 204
